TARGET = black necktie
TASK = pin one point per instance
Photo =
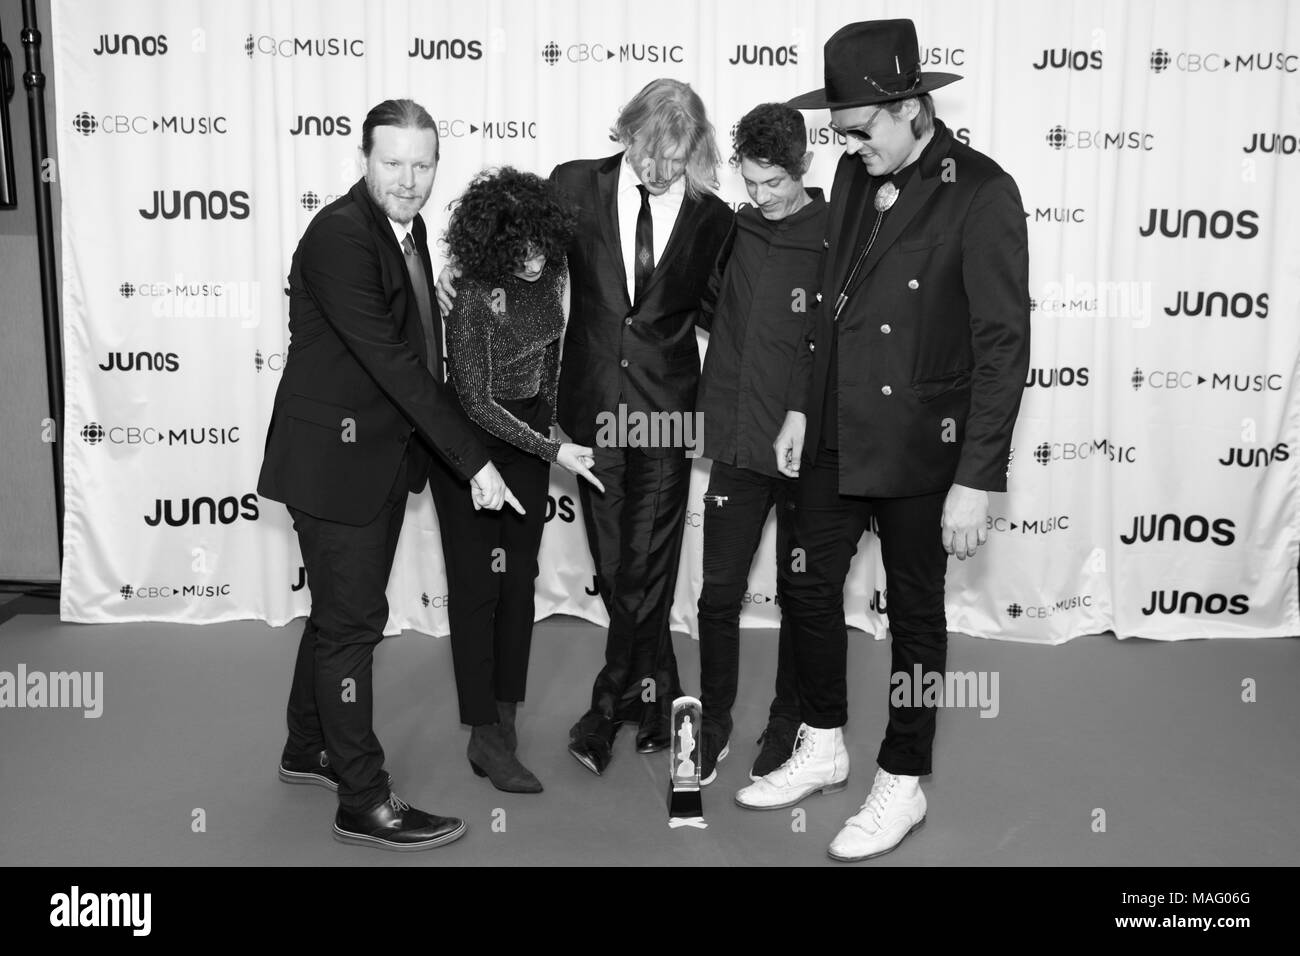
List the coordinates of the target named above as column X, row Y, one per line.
column 415, row 268
column 644, row 266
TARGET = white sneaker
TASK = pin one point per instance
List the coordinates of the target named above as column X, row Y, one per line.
column 894, row 808
column 819, row 764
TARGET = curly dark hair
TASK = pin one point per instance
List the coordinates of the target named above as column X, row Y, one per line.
column 502, row 214
column 773, row 134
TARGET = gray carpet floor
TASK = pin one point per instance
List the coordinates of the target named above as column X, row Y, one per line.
column 1103, row 752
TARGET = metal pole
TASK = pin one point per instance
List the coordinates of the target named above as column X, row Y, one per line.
column 42, row 174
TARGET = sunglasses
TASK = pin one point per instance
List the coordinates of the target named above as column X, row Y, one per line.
column 859, row 134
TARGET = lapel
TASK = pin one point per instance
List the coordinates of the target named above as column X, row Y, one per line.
column 911, row 200
column 605, row 177
column 845, row 216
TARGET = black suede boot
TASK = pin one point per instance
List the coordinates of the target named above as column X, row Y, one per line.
column 506, row 713
column 489, row 757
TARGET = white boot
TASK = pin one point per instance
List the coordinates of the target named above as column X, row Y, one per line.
column 894, row 808
column 819, row 764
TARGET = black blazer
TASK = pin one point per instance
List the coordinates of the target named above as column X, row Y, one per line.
column 934, row 341
column 643, row 353
column 357, row 354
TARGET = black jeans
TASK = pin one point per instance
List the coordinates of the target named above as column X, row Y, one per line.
column 331, row 706
column 735, row 510
column 491, row 561
column 635, row 532
column 827, row 527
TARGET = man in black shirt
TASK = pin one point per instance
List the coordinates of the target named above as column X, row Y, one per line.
column 760, row 296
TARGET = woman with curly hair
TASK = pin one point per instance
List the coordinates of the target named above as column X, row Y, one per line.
column 507, row 233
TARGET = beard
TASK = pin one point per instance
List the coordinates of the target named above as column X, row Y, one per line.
column 393, row 207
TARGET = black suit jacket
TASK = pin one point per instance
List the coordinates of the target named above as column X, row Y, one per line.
column 640, row 353
column 934, row 341
column 357, row 355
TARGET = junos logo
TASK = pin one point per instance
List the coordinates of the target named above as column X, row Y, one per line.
column 141, row 362
column 1064, row 58
column 454, row 49
column 1052, row 377
column 1284, row 143
column 196, row 204
column 178, row 512
column 1239, row 305
column 1256, row 457
column 1220, row 224
column 1193, row 602
column 752, row 54
column 307, row 125
column 1194, row 528
column 128, row 44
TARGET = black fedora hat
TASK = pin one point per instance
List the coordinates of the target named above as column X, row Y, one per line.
column 875, row 61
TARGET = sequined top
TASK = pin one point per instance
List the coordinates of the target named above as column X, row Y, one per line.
column 503, row 342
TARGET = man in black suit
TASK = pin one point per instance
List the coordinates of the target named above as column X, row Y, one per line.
column 359, row 410
column 649, row 229
column 915, row 369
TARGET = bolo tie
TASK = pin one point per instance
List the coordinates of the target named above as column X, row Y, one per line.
column 886, row 196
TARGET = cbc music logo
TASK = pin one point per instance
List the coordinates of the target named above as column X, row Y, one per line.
column 1193, row 602
column 438, row 600
column 1187, row 62
column 120, row 123
column 694, row 519
column 195, row 592
column 453, row 49
column 879, row 601
column 141, row 362
column 178, row 512
column 1199, row 224
column 312, row 200
column 943, row 56
column 147, row 288
column 1196, row 529
column 1059, row 137
column 1063, row 376
column 553, row 53
column 197, row 204
column 1044, row 525
column 752, row 54
column 128, row 44
column 303, row 46
column 1063, row 214
column 1039, row 611
column 308, row 125
column 1239, row 305
column 1287, row 144
column 757, row 597
column 1182, row 379
column 490, row 129
column 1064, row 58
column 93, row 433
column 1089, row 449
column 561, row 508
column 1255, row 457
column 271, row 361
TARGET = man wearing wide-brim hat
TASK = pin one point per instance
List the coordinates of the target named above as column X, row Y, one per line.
column 915, row 363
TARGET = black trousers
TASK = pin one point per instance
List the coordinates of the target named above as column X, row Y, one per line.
column 735, row 510
column 491, row 561
column 635, row 532
column 331, row 706
column 827, row 527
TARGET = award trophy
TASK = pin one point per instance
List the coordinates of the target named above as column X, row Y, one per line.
column 685, row 808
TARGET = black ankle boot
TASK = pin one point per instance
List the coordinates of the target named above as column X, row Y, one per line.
column 490, row 758
column 506, row 713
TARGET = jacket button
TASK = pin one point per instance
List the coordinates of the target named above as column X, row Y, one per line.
column 627, row 320
column 825, row 244
column 622, row 363
column 819, row 296
column 886, row 329
column 812, row 346
column 886, row 390
column 913, row 284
